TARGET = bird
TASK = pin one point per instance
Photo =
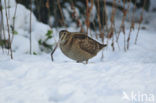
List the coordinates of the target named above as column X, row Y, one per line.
column 78, row 46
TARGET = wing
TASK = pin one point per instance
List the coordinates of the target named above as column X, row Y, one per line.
column 88, row 44
column 80, row 35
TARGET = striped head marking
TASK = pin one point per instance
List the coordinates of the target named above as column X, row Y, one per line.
column 63, row 35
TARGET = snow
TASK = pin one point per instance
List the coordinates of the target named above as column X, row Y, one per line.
column 22, row 27
column 152, row 4
column 36, row 79
column 9, row 3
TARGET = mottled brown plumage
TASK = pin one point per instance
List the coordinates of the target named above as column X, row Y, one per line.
column 78, row 46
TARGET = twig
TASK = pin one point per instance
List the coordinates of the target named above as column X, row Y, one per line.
column 59, row 6
column 128, row 8
column 8, row 9
column 49, row 11
column 99, row 19
column 88, row 11
column 87, row 16
column 30, row 28
column 105, row 24
column 75, row 16
column 111, row 33
column 8, row 30
column 3, row 29
column 2, row 22
column 116, row 6
column 140, row 21
column 1, row 25
column 107, row 30
column 131, row 26
column 13, row 27
column 105, row 15
column 122, row 27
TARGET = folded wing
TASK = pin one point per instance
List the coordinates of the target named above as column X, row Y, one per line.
column 88, row 44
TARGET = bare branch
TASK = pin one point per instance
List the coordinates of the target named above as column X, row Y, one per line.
column 10, row 47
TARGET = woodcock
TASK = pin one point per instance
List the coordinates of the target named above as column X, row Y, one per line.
column 78, row 46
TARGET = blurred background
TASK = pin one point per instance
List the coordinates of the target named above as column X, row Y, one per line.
column 58, row 13
column 38, row 22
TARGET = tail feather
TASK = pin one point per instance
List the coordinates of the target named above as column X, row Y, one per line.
column 102, row 45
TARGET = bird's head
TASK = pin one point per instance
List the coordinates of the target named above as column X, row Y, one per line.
column 63, row 35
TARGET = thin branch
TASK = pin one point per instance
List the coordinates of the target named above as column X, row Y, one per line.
column 87, row 18
column 13, row 27
column 3, row 29
column 116, row 6
column 112, row 20
column 140, row 21
column 105, row 15
column 8, row 30
column 49, row 11
column 122, row 27
column 88, row 12
column 30, row 28
column 60, row 9
column 75, row 17
column 99, row 19
column 1, row 25
column 131, row 26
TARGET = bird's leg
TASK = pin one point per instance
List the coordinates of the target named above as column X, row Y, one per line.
column 54, row 51
column 77, row 61
column 86, row 61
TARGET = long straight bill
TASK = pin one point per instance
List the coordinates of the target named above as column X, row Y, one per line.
column 54, row 50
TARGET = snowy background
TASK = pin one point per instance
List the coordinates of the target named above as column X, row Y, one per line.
column 36, row 79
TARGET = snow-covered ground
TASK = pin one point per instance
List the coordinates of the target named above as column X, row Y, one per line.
column 35, row 79
column 121, row 77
